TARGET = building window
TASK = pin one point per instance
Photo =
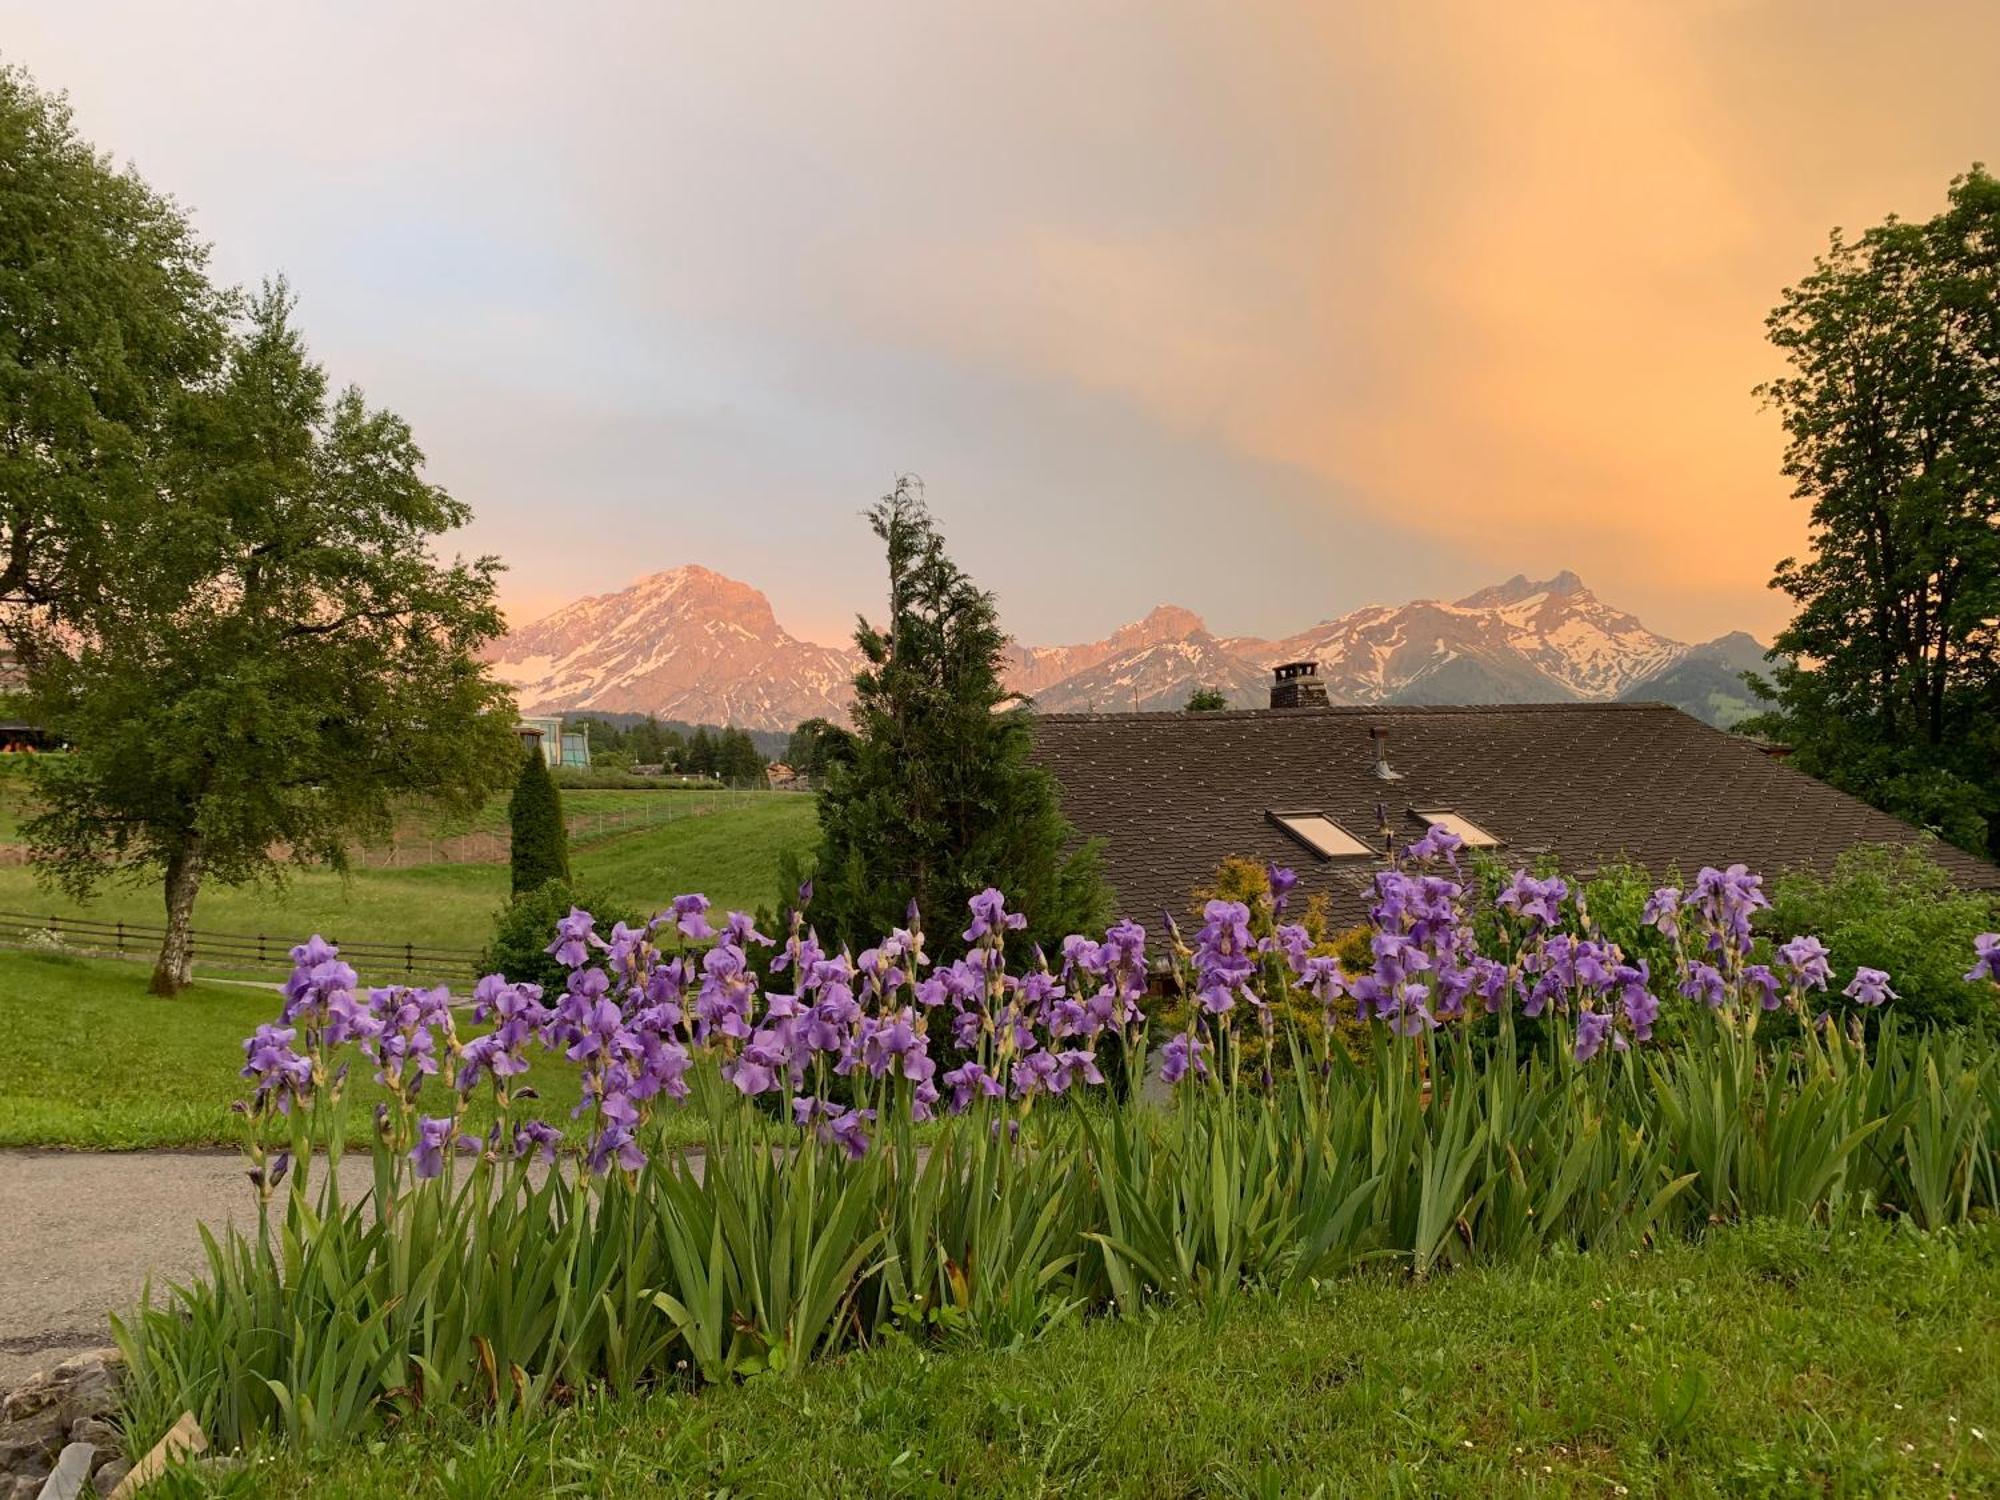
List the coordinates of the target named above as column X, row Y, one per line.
column 1320, row 834
column 1474, row 836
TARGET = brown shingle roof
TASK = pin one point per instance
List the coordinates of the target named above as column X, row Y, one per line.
column 1172, row 794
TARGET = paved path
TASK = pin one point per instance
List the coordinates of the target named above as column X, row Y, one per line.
column 81, row 1231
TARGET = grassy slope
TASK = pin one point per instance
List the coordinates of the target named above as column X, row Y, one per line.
column 91, row 1060
column 88, row 1059
column 731, row 855
column 1858, row 1366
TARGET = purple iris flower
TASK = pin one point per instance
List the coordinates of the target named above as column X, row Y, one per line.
column 1224, row 955
column 1869, row 987
column 1703, row 982
column 1763, row 984
column 1282, row 880
column 574, row 935
column 1183, row 1054
column 689, row 917
column 616, row 1144
column 1438, row 842
column 1663, row 910
column 1728, row 900
column 1536, row 902
column 281, row 1074
column 837, row 1124
column 536, row 1135
column 969, row 1082
column 1805, row 959
column 1986, row 958
column 433, row 1139
column 1592, row 1028
column 990, row 917
column 1639, row 1004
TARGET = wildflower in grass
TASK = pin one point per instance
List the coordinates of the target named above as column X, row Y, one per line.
column 1869, row 987
column 1986, row 958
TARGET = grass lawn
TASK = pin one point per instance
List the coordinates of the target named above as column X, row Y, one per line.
column 1769, row 1361
column 732, row 855
column 89, row 1060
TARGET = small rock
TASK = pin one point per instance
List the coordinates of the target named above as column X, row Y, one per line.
column 72, row 1473
column 106, row 1479
column 84, row 1385
column 100, row 1434
column 23, row 1487
column 31, row 1439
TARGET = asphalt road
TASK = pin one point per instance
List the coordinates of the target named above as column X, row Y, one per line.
column 80, row 1233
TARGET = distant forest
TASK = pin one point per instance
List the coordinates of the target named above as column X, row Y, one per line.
column 650, row 740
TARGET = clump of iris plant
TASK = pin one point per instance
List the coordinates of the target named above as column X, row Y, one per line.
column 839, row 1044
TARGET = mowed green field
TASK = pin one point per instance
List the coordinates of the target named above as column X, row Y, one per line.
column 89, row 1060
column 731, row 855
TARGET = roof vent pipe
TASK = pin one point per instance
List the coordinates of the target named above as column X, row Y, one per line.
column 1380, row 735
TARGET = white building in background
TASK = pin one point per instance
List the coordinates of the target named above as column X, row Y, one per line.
column 558, row 748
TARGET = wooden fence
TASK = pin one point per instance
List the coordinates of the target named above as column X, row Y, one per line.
column 49, row 932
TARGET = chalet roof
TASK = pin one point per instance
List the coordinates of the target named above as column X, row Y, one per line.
column 1172, row 794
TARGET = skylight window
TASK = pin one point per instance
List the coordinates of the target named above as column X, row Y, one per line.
column 1474, row 836
column 1320, row 834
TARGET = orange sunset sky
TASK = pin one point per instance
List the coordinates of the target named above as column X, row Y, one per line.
column 1268, row 310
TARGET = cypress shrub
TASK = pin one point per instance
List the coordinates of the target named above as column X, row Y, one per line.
column 541, row 844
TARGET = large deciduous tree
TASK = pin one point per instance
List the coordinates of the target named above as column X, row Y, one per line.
column 939, row 797
column 1892, row 414
column 107, row 322
column 300, row 662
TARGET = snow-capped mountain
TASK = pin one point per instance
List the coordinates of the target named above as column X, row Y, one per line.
column 1160, row 674
column 691, row 644
column 685, row 644
column 1517, row 642
column 1032, row 669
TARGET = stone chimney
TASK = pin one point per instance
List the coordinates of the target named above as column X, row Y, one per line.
column 1296, row 684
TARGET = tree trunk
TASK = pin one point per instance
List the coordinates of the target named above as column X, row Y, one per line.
column 172, row 972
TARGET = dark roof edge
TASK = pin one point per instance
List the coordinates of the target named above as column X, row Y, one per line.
column 1368, row 710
